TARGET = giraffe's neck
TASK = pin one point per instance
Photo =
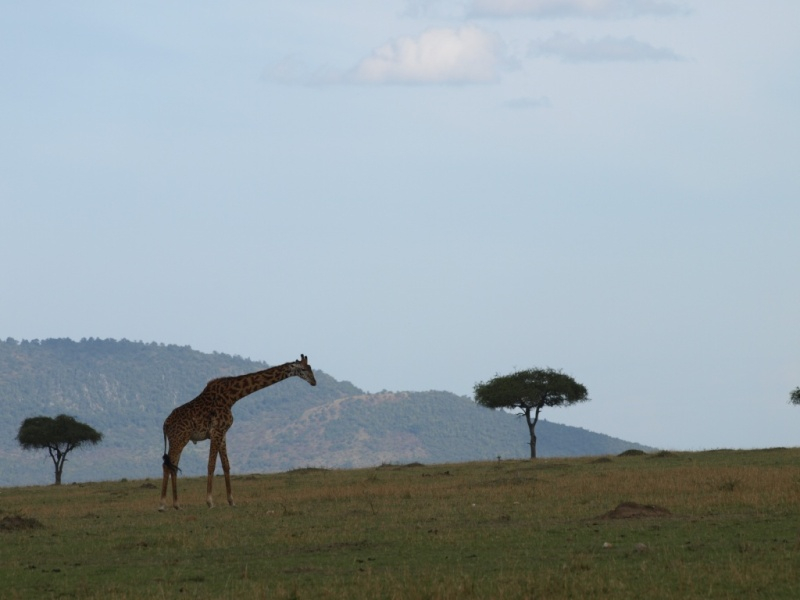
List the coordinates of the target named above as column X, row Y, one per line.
column 236, row 388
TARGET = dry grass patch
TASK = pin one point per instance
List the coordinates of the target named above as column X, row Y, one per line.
column 634, row 510
column 19, row 523
column 500, row 529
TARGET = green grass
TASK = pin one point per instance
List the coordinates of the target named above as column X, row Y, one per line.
column 510, row 529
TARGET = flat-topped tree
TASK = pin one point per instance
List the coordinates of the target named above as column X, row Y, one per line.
column 530, row 391
column 60, row 436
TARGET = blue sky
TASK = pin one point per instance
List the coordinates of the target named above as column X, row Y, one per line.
column 422, row 194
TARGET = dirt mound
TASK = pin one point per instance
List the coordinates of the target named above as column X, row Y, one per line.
column 395, row 467
column 632, row 510
column 307, row 470
column 17, row 523
column 632, row 452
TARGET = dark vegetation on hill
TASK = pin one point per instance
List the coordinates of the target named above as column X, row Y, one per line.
column 126, row 389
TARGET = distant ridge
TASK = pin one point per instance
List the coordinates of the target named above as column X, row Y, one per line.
column 126, row 389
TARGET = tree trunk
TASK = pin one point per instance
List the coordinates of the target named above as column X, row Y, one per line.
column 58, row 461
column 532, row 427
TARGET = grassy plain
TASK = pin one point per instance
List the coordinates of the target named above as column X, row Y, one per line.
column 504, row 529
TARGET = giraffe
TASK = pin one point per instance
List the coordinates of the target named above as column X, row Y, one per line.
column 209, row 416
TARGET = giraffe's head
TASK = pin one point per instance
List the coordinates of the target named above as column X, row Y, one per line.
column 303, row 370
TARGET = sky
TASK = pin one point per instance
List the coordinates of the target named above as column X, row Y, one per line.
column 422, row 195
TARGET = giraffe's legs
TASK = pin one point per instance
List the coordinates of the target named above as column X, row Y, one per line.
column 174, row 475
column 212, row 465
column 164, row 488
column 170, row 469
column 226, row 468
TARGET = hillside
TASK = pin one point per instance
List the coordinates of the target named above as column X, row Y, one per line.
column 126, row 389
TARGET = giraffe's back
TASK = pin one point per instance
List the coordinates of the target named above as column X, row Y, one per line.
column 198, row 419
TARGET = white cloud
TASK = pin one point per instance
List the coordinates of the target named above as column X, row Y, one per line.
column 571, row 49
column 573, row 8
column 465, row 55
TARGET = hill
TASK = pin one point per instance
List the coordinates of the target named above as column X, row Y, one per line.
column 126, row 389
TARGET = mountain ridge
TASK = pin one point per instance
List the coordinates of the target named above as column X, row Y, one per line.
column 126, row 389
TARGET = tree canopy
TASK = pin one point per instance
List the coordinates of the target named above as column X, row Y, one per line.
column 530, row 391
column 59, row 436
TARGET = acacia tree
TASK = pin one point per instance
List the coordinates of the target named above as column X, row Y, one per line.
column 60, row 436
column 795, row 397
column 530, row 391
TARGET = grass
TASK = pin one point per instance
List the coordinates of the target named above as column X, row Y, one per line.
column 503, row 529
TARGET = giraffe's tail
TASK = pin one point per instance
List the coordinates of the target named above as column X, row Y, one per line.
column 167, row 461
column 169, row 465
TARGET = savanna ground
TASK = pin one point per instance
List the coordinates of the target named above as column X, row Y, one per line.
column 718, row 524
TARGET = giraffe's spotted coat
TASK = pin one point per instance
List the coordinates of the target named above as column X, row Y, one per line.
column 209, row 416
